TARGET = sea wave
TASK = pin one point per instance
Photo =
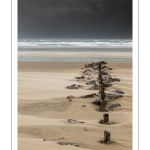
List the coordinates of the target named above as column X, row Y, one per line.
column 49, row 43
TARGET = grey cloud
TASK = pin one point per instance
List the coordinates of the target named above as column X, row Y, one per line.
column 92, row 18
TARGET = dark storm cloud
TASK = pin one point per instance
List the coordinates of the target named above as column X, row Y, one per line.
column 75, row 18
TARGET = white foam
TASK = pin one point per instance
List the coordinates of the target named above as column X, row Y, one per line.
column 75, row 44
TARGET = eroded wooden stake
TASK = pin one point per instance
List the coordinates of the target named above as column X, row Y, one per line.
column 106, row 138
column 105, row 119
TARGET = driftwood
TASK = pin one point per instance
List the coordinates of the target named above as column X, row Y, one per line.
column 70, row 96
column 88, row 74
column 112, row 96
column 103, row 67
column 119, row 92
column 74, row 121
column 90, row 65
column 107, row 85
column 109, row 68
column 104, row 73
column 82, row 77
column 109, row 79
column 94, row 87
column 114, row 106
column 56, row 138
column 115, row 79
column 91, row 82
column 87, row 70
column 69, row 143
column 74, row 86
column 89, row 96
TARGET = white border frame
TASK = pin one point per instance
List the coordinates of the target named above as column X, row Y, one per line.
column 6, row 29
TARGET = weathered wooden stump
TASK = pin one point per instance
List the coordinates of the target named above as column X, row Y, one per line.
column 106, row 138
column 88, row 96
column 106, row 118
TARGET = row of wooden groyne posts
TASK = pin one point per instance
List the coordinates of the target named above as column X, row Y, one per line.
column 103, row 82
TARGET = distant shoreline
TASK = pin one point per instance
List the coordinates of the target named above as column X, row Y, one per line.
column 78, row 49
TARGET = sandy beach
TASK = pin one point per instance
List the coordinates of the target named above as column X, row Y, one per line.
column 43, row 109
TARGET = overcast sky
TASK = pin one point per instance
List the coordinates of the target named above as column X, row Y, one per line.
column 75, row 18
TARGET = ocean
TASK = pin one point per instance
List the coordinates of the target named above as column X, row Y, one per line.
column 73, row 45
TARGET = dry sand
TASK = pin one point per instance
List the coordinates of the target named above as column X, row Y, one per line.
column 43, row 109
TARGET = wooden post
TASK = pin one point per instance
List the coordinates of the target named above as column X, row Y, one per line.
column 101, row 90
column 100, row 76
column 106, row 137
column 106, row 118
